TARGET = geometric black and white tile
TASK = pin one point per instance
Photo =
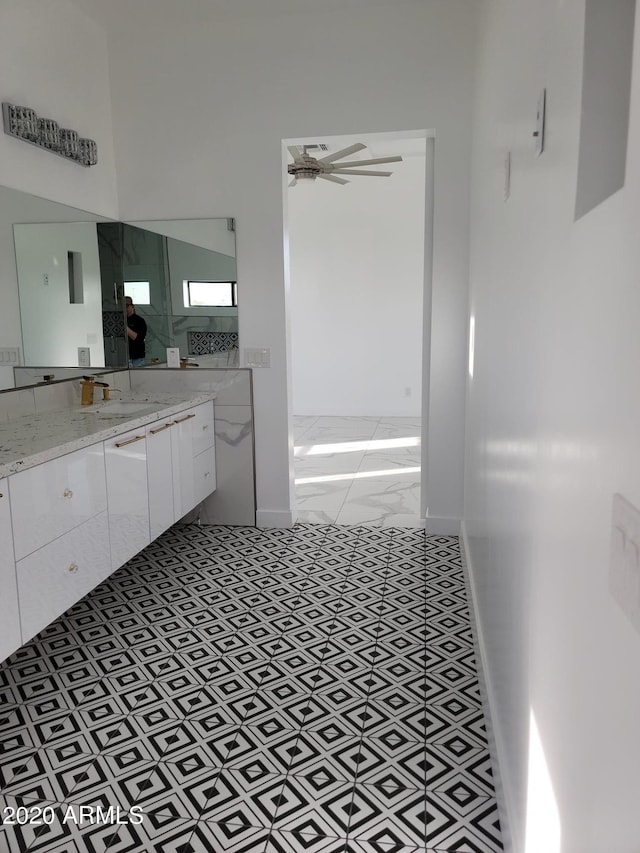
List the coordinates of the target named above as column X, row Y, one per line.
column 235, row 690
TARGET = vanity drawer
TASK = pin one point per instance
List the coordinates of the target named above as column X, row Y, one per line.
column 53, row 498
column 203, row 427
column 128, row 494
column 204, row 469
column 10, row 636
column 53, row 578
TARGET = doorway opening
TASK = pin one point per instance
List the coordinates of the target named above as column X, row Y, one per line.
column 356, row 302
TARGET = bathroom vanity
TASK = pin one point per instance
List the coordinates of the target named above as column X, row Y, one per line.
column 83, row 490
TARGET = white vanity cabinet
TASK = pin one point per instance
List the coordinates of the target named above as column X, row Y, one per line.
column 53, row 578
column 53, row 498
column 66, row 524
column 204, row 452
column 184, row 492
column 125, row 459
column 195, row 458
column 160, row 477
column 180, row 465
column 60, row 534
column 10, row 636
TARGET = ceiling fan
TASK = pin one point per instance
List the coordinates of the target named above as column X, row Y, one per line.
column 308, row 168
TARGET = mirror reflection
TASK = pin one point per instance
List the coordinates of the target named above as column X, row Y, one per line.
column 73, row 278
column 184, row 290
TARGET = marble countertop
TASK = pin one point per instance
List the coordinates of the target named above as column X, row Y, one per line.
column 33, row 439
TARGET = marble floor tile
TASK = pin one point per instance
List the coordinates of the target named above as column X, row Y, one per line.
column 358, row 471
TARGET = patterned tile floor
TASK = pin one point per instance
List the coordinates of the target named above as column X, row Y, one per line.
column 358, row 470
column 235, row 690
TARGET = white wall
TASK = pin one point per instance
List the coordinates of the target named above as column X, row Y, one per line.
column 52, row 327
column 200, row 109
column 53, row 58
column 357, row 275
column 553, row 426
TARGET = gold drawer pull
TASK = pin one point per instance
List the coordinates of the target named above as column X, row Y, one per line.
column 67, row 493
column 182, row 420
column 129, row 441
column 73, row 568
column 159, row 429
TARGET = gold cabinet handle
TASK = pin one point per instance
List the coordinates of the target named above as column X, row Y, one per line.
column 130, row 441
column 73, row 568
column 67, row 493
column 186, row 418
column 160, row 429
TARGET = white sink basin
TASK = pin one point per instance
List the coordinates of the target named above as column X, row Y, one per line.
column 119, row 409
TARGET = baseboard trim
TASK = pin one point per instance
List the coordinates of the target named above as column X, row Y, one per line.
column 440, row 525
column 496, row 741
column 275, row 518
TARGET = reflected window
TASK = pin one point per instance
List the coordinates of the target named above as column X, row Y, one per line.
column 210, row 294
column 139, row 291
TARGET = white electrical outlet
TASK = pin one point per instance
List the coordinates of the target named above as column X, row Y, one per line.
column 624, row 560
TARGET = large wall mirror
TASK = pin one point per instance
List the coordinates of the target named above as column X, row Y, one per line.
column 73, row 271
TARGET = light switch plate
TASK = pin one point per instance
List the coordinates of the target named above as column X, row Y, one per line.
column 84, row 357
column 507, row 176
column 260, row 357
column 173, row 356
column 540, row 123
column 624, row 560
column 9, row 356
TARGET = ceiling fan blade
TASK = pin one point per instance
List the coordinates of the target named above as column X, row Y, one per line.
column 343, row 153
column 357, row 172
column 295, row 152
column 335, row 180
column 373, row 162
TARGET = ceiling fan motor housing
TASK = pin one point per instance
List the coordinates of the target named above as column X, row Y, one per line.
column 305, row 168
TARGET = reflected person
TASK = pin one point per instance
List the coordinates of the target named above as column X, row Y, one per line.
column 136, row 333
